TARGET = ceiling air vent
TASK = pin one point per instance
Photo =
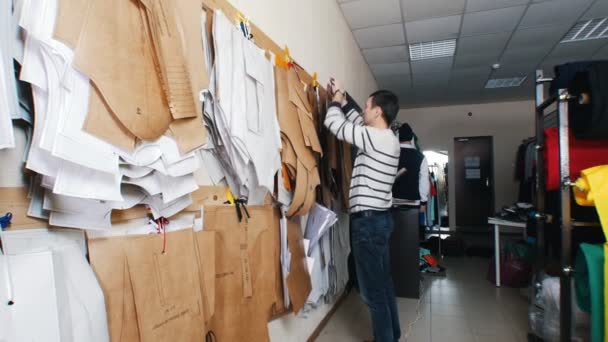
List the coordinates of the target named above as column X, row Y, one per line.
column 587, row 30
column 505, row 82
column 436, row 49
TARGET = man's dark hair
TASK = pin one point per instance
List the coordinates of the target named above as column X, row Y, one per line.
column 388, row 102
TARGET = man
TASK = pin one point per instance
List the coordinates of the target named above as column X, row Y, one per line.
column 371, row 198
column 411, row 187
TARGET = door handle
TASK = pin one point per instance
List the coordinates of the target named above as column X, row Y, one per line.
column 488, row 182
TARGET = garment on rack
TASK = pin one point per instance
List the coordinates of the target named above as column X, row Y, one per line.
column 583, row 154
column 589, row 282
column 588, row 116
column 525, row 169
column 411, row 187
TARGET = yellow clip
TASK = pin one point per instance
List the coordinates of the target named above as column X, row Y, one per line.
column 315, row 82
column 242, row 19
column 284, row 62
column 230, row 196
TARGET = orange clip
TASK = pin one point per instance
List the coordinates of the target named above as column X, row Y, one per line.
column 286, row 62
column 315, row 82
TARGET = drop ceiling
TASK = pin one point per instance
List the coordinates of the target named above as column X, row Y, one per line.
column 520, row 35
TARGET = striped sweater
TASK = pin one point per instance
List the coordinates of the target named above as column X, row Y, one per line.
column 376, row 162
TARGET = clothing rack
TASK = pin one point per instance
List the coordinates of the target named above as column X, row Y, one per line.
column 567, row 223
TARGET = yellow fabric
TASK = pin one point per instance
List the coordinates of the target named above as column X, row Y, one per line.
column 605, row 290
column 592, row 189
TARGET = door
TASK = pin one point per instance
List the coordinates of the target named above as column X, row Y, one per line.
column 474, row 180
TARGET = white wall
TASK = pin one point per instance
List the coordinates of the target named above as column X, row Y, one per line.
column 508, row 122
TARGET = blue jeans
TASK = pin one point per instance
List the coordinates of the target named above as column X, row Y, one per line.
column 370, row 245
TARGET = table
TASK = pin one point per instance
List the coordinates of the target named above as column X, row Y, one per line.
column 497, row 222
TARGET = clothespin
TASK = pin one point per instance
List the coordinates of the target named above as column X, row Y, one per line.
column 244, row 25
column 5, row 220
column 315, row 81
column 285, row 62
column 230, row 196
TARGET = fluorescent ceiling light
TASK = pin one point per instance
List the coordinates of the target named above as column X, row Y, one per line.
column 505, row 82
column 587, row 30
column 436, row 49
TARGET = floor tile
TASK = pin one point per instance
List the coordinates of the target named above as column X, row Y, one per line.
column 441, row 323
column 463, row 306
column 446, row 336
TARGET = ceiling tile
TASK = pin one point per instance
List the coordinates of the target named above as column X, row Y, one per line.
column 475, row 60
column 470, row 77
column 432, row 65
column 488, row 44
column 524, row 55
column 564, row 12
column 435, row 79
column 390, row 69
column 423, row 9
column 380, row 36
column 367, row 13
column 433, row 29
column 485, row 5
column 493, row 21
column 546, row 36
column 602, row 53
column 385, row 55
column 514, row 70
column 393, row 82
column 577, row 49
column 598, row 10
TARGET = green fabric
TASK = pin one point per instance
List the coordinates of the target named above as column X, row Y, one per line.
column 520, row 250
column 589, row 286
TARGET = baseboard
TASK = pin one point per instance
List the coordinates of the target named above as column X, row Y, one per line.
column 315, row 334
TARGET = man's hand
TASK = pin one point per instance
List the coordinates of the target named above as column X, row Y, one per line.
column 423, row 208
column 337, row 91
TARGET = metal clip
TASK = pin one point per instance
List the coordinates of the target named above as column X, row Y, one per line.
column 568, row 271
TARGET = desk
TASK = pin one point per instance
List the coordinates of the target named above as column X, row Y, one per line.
column 497, row 222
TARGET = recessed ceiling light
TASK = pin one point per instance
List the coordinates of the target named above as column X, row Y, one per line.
column 505, row 82
column 435, row 49
column 587, row 30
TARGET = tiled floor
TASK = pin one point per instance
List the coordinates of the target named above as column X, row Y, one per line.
column 462, row 307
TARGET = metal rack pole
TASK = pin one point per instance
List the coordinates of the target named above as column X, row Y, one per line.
column 540, row 167
column 566, row 220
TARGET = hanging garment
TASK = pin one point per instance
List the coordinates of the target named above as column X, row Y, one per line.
column 583, row 154
column 245, row 279
column 166, row 286
column 28, row 280
column 298, row 280
column 128, row 81
column 174, row 72
column 81, row 307
column 306, row 175
column 245, row 114
column 108, row 261
column 7, row 137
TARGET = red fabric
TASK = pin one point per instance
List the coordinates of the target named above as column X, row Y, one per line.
column 431, row 260
column 583, row 154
